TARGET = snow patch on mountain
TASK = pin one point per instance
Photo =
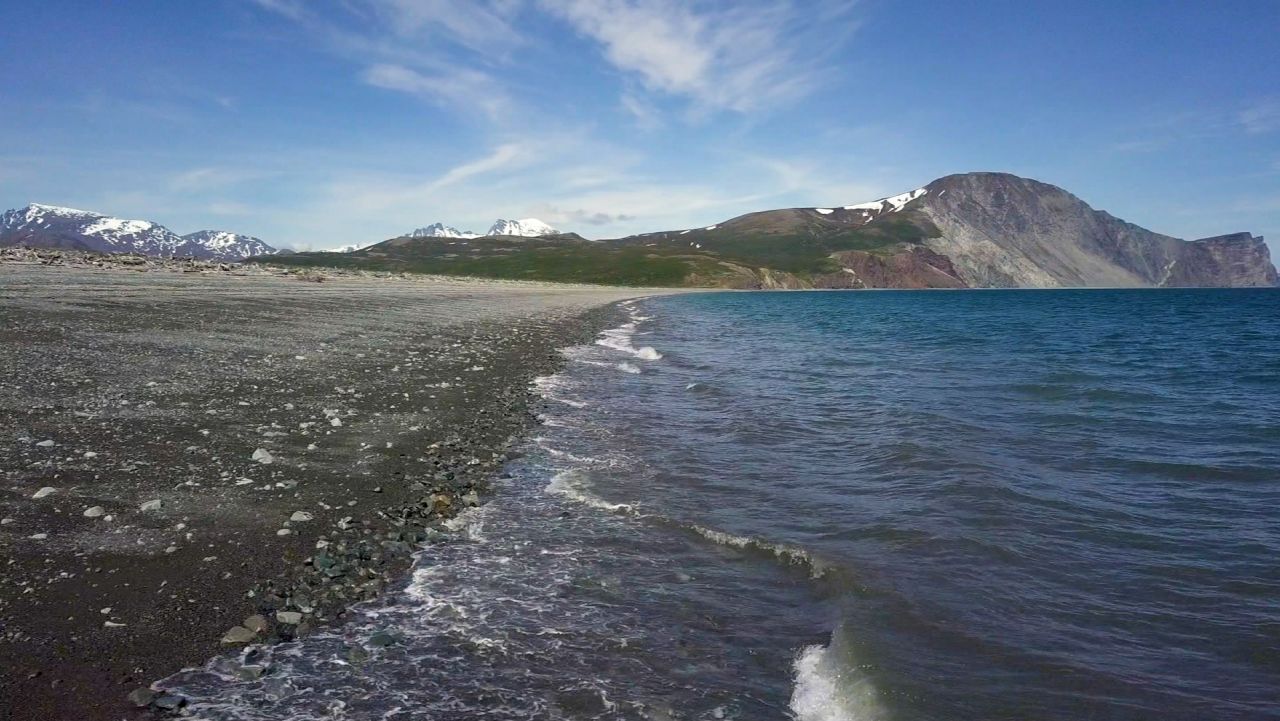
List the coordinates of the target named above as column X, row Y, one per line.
column 440, row 230
column 348, row 248
column 51, row 226
column 894, row 203
column 525, row 228
column 225, row 244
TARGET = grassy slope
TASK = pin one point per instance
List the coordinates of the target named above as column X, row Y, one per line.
column 666, row 259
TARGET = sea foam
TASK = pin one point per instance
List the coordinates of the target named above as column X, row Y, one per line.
column 829, row 686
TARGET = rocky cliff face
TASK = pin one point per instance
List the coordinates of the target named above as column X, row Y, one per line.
column 1000, row 230
column 1235, row 260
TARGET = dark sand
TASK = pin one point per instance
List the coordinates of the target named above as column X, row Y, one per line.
column 162, row 385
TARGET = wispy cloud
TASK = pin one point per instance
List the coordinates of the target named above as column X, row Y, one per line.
column 579, row 216
column 441, row 51
column 502, row 157
column 1261, row 117
column 204, row 179
column 457, row 87
column 740, row 56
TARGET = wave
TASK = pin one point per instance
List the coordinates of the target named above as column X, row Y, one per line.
column 829, row 687
column 628, row 368
column 788, row 554
column 619, row 339
column 569, row 484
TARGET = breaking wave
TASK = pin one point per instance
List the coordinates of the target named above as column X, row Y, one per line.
column 829, row 685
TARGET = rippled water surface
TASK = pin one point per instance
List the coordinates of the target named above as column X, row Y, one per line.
column 895, row 505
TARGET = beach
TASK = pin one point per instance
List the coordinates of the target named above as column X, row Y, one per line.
column 195, row 460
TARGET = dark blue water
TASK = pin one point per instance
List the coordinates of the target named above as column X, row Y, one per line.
column 891, row 505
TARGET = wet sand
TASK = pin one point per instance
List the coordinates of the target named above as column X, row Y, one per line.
column 381, row 404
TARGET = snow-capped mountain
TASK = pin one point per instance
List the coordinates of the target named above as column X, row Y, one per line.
column 229, row 245
column 440, row 230
column 50, row 226
column 525, row 227
column 347, row 248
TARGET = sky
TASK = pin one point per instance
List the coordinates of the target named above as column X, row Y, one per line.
column 318, row 124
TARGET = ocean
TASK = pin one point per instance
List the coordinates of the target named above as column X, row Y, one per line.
column 823, row 506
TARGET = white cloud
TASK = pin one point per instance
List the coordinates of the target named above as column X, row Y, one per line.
column 503, row 156
column 482, row 25
column 738, row 56
column 645, row 115
column 457, row 87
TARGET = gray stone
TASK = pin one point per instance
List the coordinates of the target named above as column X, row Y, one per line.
column 257, row 623
column 142, row 697
column 169, row 701
column 293, row 618
column 238, row 634
column 263, row 456
column 252, row 672
column 46, row 491
column 46, row 444
column 301, row 516
column 152, row 505
column 95, row 512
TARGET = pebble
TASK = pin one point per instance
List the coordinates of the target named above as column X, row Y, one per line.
column 152, row 505
column 46, row 491
column 293, row 618
column 301, row 516
column 5, row 521
column 95, row 512
column 335, row 422
column 38, row 536
column 283, row 532
column 46, row 444
column 263, row 456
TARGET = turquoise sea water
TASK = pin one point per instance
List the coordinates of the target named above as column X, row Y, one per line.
column 880, row 505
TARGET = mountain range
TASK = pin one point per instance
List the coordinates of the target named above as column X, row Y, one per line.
column 973, row 230
column 523, row 228
column 50, row 226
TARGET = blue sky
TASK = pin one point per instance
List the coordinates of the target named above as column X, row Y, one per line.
column 315, row 124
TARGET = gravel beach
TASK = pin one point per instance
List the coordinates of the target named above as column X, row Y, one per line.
column 204, row 458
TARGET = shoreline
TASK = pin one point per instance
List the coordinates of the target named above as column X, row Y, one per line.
column 381, row 409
